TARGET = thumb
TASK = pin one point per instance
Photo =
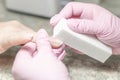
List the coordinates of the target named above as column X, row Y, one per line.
column 42, row 41
column 83, row 26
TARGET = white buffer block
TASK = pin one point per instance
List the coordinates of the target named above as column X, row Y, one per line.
column 83, row 43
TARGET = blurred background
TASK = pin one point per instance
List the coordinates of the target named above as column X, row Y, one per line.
column 36, row 14
column 49, row 8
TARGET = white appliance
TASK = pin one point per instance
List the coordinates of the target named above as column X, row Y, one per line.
column 46, row 8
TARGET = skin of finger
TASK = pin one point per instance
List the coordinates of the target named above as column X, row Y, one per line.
column 16, row 37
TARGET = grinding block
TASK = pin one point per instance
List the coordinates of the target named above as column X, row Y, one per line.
column 83, row 43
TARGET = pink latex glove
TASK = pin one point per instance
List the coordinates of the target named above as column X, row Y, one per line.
column 38, row 61
column 91, row 19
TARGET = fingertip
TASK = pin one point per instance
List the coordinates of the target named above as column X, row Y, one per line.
column 55, row 19
column 42, row 41
column 42, row 34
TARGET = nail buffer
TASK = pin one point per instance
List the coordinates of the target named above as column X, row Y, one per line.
column 83, row 43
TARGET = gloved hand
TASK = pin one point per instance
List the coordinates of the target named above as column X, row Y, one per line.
column 37, row 61
column 14, row 33
column 91, row 19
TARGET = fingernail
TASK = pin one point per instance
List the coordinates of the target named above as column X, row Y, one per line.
column 55, row 42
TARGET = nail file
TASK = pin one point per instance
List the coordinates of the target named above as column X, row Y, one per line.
column 83, row 43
